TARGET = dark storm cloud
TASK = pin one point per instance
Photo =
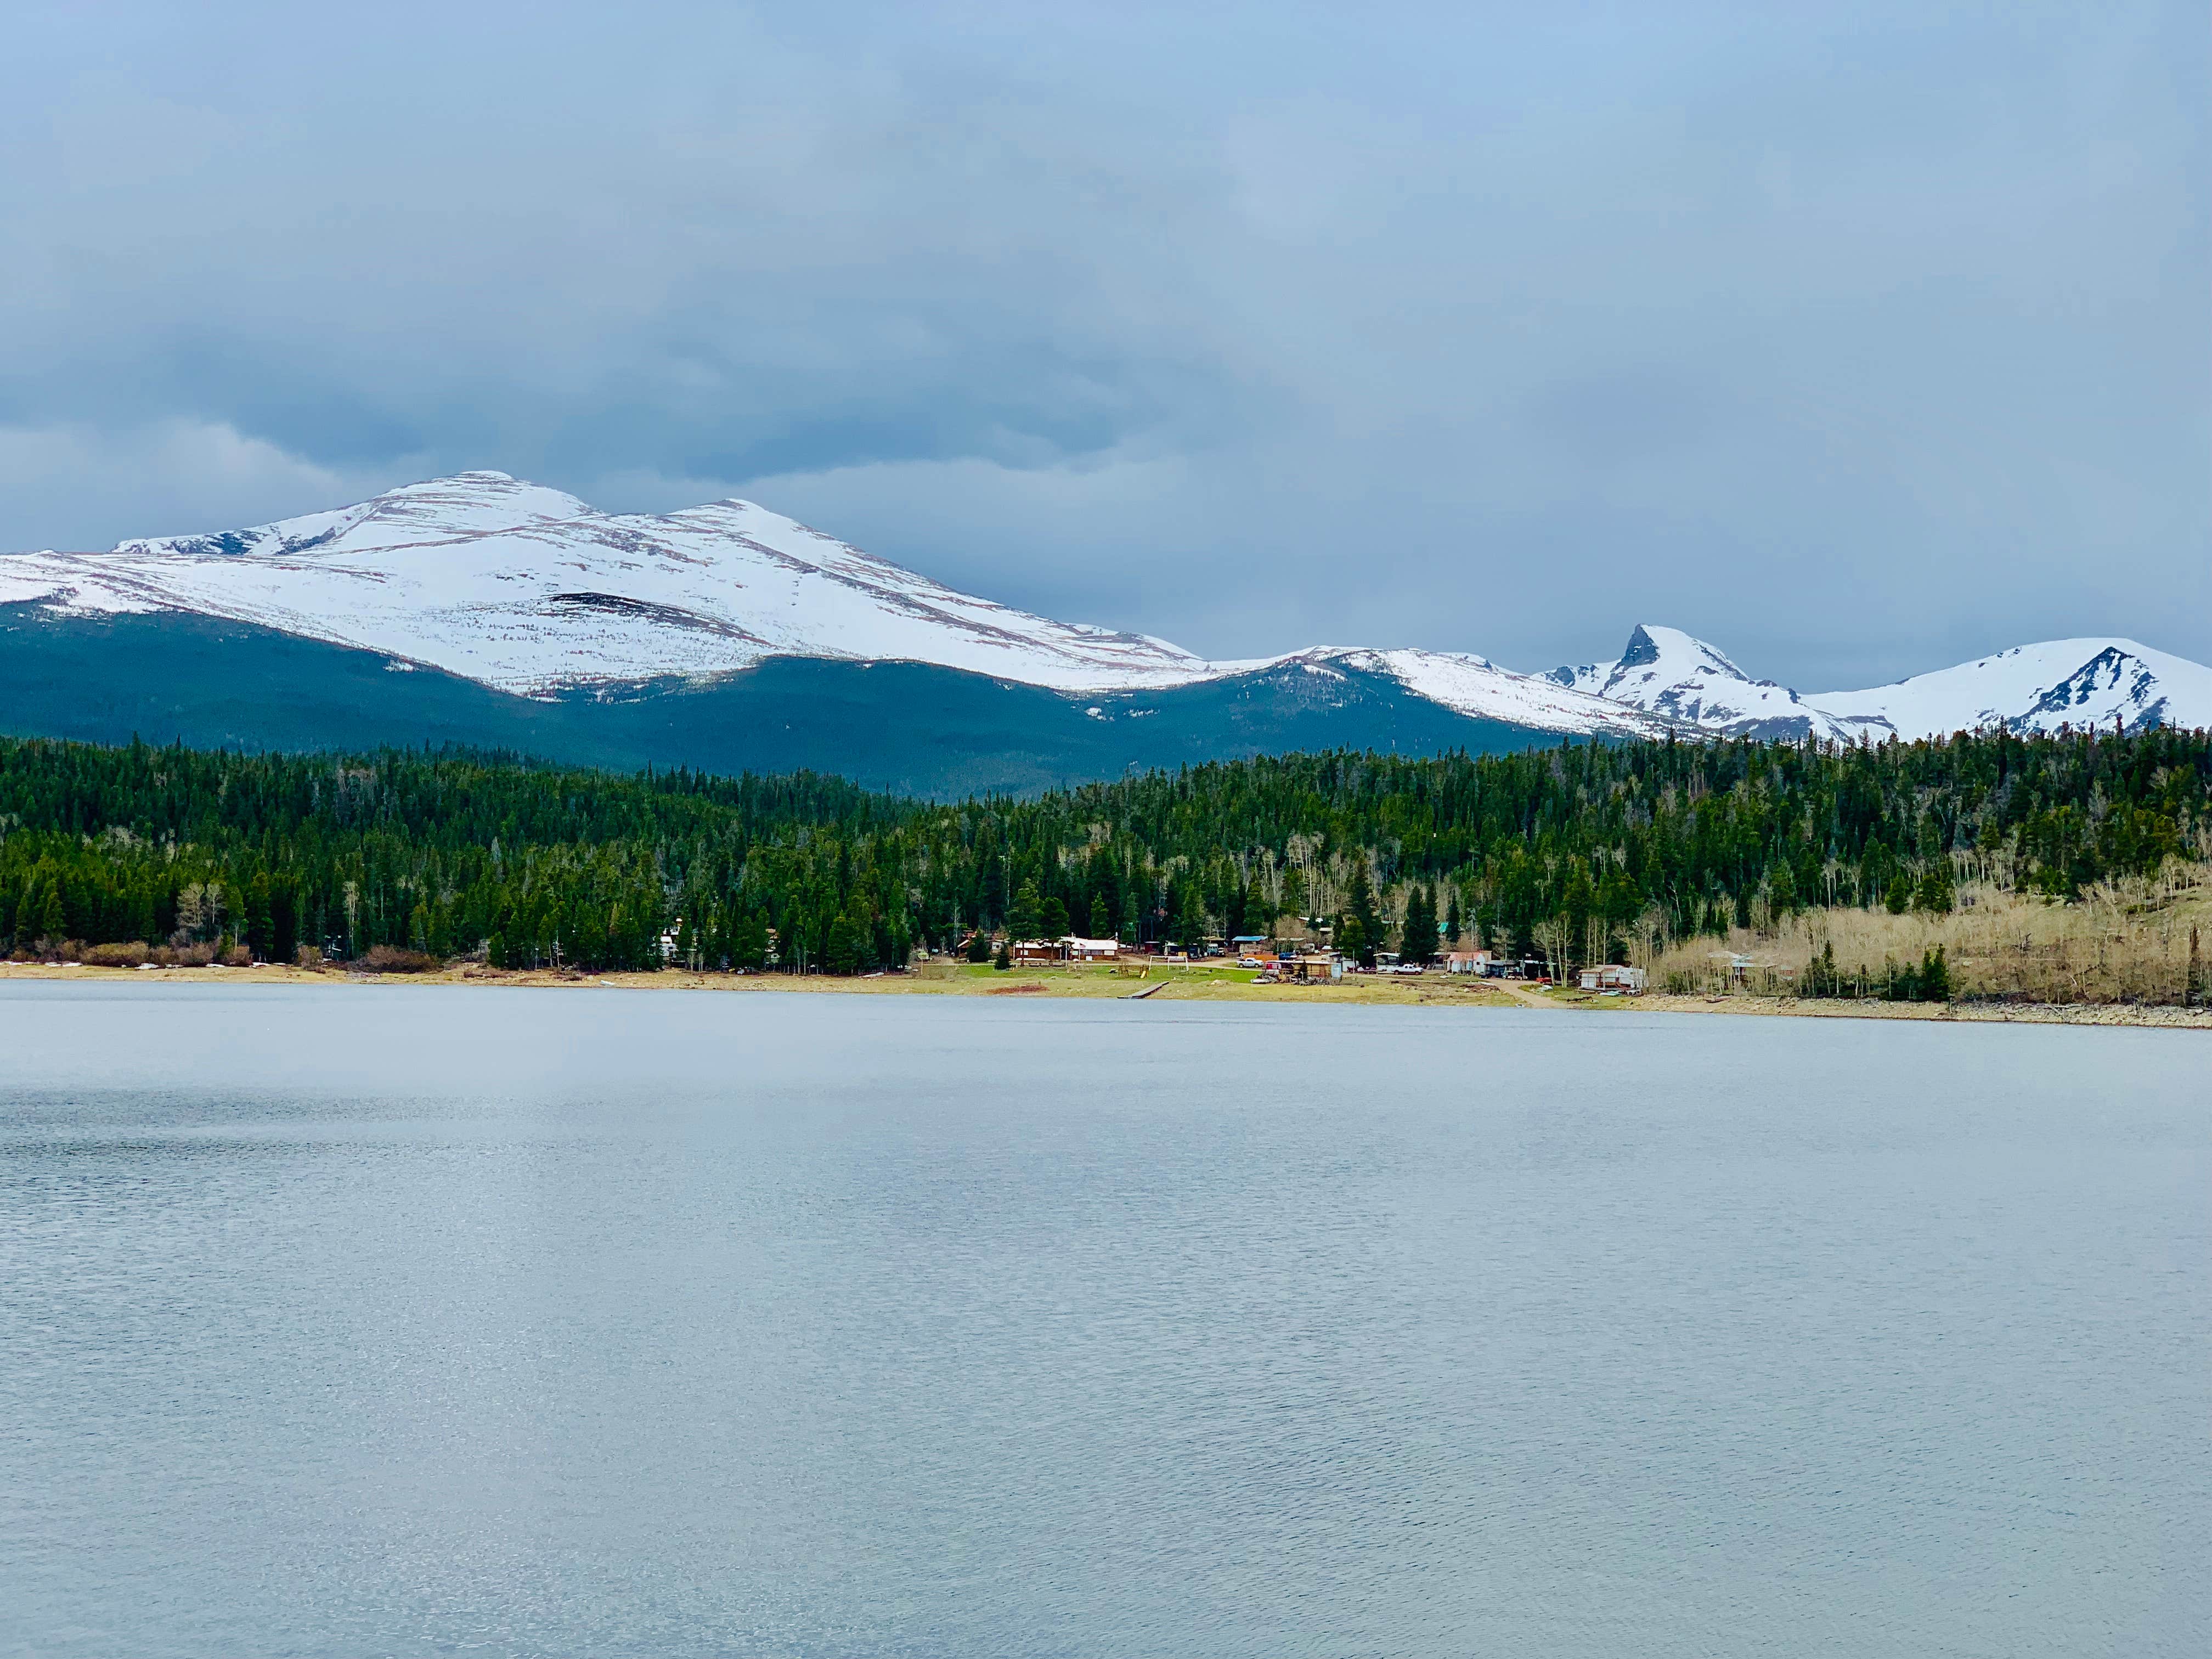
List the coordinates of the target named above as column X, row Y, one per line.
column 1854, row 340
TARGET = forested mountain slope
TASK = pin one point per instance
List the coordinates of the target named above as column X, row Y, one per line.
column 451, row 852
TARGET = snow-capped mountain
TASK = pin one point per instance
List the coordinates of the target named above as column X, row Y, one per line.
column 530, row 591
column 525, row 588
column 2037, row 688
column 2031, row 687
column 1685, row 683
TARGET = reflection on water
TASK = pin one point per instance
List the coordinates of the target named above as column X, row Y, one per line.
column 353, row 1321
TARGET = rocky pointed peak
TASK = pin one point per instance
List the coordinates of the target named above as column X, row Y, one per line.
column 1642, row 649
column 1669, row 650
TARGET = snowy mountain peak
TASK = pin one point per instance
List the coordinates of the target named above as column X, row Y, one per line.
column 1660, row 650
column 1680, row 679
column 1686, row 682
column 530, row 589
column 2117, row 681
column 2081, row 683
column 466, row 505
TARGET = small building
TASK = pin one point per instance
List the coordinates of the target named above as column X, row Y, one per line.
column 1610, row 976
column 1315, row 967
column 1091, row 949
column 1477, row 963
column 1034, row 952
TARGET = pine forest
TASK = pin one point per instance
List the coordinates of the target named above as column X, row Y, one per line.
column 1572, row 855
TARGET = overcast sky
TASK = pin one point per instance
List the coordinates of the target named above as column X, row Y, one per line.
column 1859, row 339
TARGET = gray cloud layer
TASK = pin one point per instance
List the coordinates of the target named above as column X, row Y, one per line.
column 1857, row 340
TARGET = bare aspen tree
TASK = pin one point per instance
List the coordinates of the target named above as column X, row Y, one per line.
column 1555, row 938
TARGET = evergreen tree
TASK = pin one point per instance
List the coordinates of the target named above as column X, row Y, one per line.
column 260, row 931
column 1052, row 922
column 284, row 922
column 978, row 946
column 1351, row 940
column 1234, row 906
column 846, row 943
column 1186, row 915
column 1820, row 978
column 1487, row 935
column 1934, row 977
column 1025, row 917
column 1781, row 889
column 1359, row 908
column 749, row 943
column 1936, row 892
column 1418, row 941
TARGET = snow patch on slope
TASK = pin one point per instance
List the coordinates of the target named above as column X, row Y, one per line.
column 529, row 589
column 1476, row 686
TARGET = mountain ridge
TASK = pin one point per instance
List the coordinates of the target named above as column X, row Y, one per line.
column 532, row 592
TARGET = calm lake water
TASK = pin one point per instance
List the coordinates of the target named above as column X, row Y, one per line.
column 386, row 1321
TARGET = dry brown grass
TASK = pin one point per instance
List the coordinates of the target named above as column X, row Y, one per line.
column 2121, row 942
column 391, row 959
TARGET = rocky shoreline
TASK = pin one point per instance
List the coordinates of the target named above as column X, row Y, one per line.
column 2002, row 1014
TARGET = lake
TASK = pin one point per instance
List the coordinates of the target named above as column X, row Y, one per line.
column 365, row 1320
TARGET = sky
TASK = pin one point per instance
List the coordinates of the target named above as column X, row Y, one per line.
column 1859, row 339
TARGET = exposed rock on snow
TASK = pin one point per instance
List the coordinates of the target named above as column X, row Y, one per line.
column 1685, row 683
column 2030, row 688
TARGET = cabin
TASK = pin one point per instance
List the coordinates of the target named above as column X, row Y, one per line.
column 1091, row 950
column 1477, row 963
column 1315, row 967
column 1610, row 976
column 1036, row 952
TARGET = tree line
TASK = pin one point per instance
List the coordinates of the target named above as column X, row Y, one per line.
column 1562, row 853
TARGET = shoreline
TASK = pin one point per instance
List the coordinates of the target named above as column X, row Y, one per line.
column 1154, row 983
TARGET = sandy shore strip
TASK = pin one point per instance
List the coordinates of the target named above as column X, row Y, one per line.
column 1158, row 983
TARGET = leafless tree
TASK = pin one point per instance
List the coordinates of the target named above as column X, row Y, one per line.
column 1555, row 938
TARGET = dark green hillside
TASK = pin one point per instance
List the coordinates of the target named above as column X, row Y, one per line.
column 450, row 853
column 907, row 727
